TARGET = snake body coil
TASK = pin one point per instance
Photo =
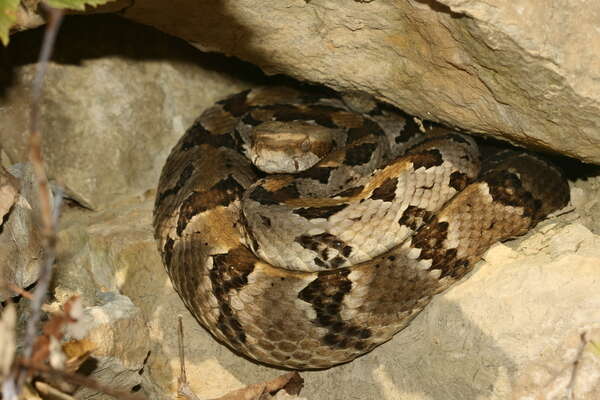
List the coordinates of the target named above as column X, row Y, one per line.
column 314, row 269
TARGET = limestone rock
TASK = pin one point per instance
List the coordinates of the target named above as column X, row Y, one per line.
column 484, row 67
column 111, row 112
column 111, row 330
column 572, row 368
column 20, row 247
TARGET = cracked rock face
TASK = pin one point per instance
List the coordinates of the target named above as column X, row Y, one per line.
column 525, row 298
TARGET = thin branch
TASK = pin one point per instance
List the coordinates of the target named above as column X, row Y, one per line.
column 12, row 385
column 182, row 374
column 576, row 365
column 48, row 222
column 183, row 388
column 80, row 380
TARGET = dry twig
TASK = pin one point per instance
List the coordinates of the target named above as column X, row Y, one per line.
column 80, row 380
column 576, row 365
column 48, row 212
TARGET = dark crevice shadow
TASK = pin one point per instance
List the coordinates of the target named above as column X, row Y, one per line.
column 442, row 8
column 88, row 37
column 84, row 38
column 572, row 168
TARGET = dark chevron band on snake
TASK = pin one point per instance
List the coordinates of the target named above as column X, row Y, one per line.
column 313, row 269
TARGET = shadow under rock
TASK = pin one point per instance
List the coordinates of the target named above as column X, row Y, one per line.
column 84, row 37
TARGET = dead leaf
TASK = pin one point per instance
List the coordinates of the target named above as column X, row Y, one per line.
column 53, row 331
column 291, row 383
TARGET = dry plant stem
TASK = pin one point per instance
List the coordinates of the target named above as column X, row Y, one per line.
column 48, row 222
column 183, row 388
column 80, row 380
column 182, row 374
column 20, row 292
column 12, row 386
column 576, row 365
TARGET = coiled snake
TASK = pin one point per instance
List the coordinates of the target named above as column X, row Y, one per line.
column 314, row 269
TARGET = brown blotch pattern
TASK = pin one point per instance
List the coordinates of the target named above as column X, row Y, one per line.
column 360, row 154
column 414, row 217
column 266, row 197
column 319, row 212
column 506, row 188
column 168, row 250
column 321, row 174
column 237, row 104
column 325, row 245
column 230, row 273
column 198, row 135
column 386, row 191
column 368, row 127
column 430, row 239
column 351, row 192
column 326, row 295
column 427, row 159
column 319, row 113
column 459, row 180
column 221, row 194
column 181, row 180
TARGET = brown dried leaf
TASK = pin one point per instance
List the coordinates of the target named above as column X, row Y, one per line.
column 53, row 330
column 77, row 351
column 291, row 382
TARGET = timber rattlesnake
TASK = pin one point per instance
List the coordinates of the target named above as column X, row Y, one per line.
column 317, row 269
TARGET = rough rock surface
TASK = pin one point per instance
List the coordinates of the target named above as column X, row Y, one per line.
column 472, row 342
column 106, row 330
column 20, row 247
column 481, row 66
column 109, row 107
column 573, row 367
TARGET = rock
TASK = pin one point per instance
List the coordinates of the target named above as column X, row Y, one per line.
column 573, row 367
column 585, row 196
column 111, row 111
column 20, row 246
column 110, row 330
column 481, row 67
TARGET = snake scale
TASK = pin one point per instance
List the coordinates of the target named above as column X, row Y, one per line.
column 358, row 223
